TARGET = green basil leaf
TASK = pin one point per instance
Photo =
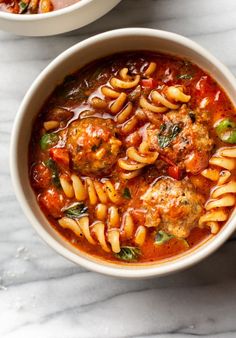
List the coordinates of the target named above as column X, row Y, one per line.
column 128, row 253
column 167, row 134
column 55, row 176
column 76, row 210
column 126, row 193
column 48, row 140
column 162, row 237
column 23, row 7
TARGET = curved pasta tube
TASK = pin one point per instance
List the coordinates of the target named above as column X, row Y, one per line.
column 140, row 235
column 228, row 152
column 49, row 125
column 69, row 223
column 227, row 200
column 79, row 189
column 84, row 226
column 109, row 92
column 147, row 158
column 136, row 160
column 150, row 69
column 118, row 104
column 158, row 98
column 98, row 103
column 226, row 188
column 213, row 215
column 151, row 107
column 94, row 190
column 107, row 233
column 111, row 192
column 214, row 226
column 125, row 113
column 130, row 175
column 223, row 177
column 129, row 125
column 127, row 225
column 101, row 212
column 113, row 217
column 126, row 165
column 223, row 162
column 98, row 229
column 114, row 239
column 176, row 94
column 121, row 84
column 124, row 74
column 223, row 195
column 211, row 174
column 67, row 187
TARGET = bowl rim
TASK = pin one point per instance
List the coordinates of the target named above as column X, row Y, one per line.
column 44, row 16
column 115, row 270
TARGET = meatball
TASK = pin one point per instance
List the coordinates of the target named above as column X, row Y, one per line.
column 93, row 145
column 183, row 138
column 174, row 206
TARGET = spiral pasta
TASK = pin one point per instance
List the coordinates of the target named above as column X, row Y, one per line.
column 223, row 194
column 107, row 230
column 161, row 102
column 136, row 160
column 94, row 190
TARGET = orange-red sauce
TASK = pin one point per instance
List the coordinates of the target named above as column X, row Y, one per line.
column 74, row 94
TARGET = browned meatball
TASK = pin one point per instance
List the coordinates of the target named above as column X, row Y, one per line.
column 93, row 145
column 182, row 138
column 174, row 206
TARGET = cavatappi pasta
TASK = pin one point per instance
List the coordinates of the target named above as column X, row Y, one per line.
column 132, row 158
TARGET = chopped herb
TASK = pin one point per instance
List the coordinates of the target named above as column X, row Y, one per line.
column 23, row 7
column 53, row 167
column 192, row 117
column 168, row 133
column 185, row 76
column 126, row 193
column 76, row 211
column 128, row 253
column 162, row 237
column 48, row 140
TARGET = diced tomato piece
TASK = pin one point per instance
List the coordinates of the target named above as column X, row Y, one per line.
column 167, row 160
column 175, row 172
column 196, row 162
column 41, row 176
column 149, row 83
column 52, row 201
column 60, row 155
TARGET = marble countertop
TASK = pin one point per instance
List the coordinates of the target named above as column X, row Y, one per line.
column 42, row 295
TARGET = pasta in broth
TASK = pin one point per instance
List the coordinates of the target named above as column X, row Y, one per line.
column 132, row 158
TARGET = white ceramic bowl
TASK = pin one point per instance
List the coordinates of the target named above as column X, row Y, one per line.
column 68, row 62
column 56, row 22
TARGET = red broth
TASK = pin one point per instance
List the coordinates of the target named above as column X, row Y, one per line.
column 120, row 157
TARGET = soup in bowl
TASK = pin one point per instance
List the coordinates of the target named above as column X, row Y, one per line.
column 126, row 163
column 50, row 17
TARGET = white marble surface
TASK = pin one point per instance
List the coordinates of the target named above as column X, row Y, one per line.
column 42, row 295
